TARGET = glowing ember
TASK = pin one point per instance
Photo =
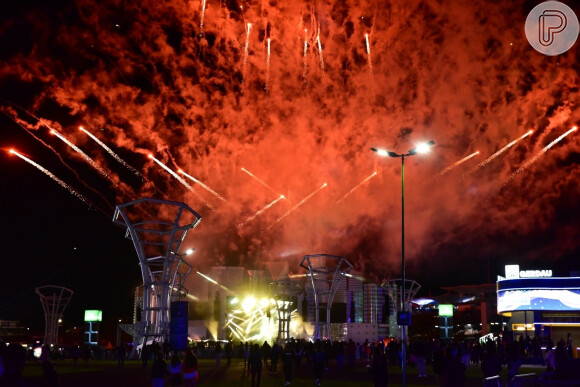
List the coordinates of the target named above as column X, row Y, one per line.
column 53, row 177
column 369, row 59
column 536, row 157
column 499, row 152
column 297, row 205
column 458, row 163
column 356, row 186
column 320, row 52
column 84, row 156
column 217, row 195
column 260, row 211
column 180, row 179
column 246, row 50
column 259, row 180
column 110, row 151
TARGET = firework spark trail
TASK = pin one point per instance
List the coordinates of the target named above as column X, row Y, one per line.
column 180, row 179
column 261, row 211
column 259, row 181
column 457, row 163
column 320, row 52
column 305, row 70
column 535, row 158
column 84, row 156
column 268, row 67
column 110, row 151
column 356, row 186
column 202, row 16
column 499, row 152
column 369, row 59
column 217, row 195
column 23, row 124
column 246, row 50
column 297, row 205
column 53, row 177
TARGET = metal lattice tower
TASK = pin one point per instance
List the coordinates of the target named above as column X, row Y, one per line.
column 157, row 229
column 54, row 300
column 393, row 288
column 285, row 292
column 325, row 272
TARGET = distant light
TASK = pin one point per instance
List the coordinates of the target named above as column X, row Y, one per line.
column 189, row 251
column 234, row 301
column 150, row 156
column 12, row 151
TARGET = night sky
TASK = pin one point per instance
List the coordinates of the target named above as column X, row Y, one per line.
column 197, row 90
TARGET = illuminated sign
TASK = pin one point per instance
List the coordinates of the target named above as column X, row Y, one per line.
column 446, row 310
column 514, row 272
column 93, row 315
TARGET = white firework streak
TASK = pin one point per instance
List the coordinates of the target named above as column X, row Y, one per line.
column 110, row 151
column 535, row 158
column 260, row 211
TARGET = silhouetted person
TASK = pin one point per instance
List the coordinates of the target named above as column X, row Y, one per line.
column 379, row 367
column 318, row 358
column 228, row 350
column 256, row 365
column 175, row 375
column 14, row 359
column 158, row 370
column 274, row 356
column 190, row 369
column 491, row 364
column 288, row 362
column 121, row 353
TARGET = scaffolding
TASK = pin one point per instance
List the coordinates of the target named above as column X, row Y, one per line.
column 54, row 300
column 285, row 292
column 393, row 288
column 325, row 272
column 157, row 229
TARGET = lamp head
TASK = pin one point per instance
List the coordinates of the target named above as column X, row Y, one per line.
column 423, row 147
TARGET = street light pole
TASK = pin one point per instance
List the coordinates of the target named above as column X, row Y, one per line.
column 404, row 327
column 421, row 148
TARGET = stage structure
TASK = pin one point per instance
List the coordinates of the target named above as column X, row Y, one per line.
column 285, row 292
column 54, row 300
column 393, row 288
column 325, row 272
column 157, row 229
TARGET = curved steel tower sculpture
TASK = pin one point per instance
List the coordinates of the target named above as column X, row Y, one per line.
column 157, row 229
column 393, row 288
column 285, row 292
column 325, row 272
column 54, row 300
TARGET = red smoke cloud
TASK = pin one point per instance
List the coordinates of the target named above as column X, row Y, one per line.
column 459, row 73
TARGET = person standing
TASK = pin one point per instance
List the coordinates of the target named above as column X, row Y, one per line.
column 288, row 362
column 256, row 365
column 379, row 367
column 318, row 359
column 175, row 375
column 189, row 368
column 158, row 370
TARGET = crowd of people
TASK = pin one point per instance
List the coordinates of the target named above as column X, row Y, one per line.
column 300, row 358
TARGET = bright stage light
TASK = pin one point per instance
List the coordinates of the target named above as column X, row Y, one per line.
column 264, row 302
column 248, row 304
column 234, row 301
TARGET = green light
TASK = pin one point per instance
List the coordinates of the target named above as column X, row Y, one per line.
column 446, row 310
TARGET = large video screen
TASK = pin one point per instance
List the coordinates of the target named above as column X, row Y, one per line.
column 538, row 299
